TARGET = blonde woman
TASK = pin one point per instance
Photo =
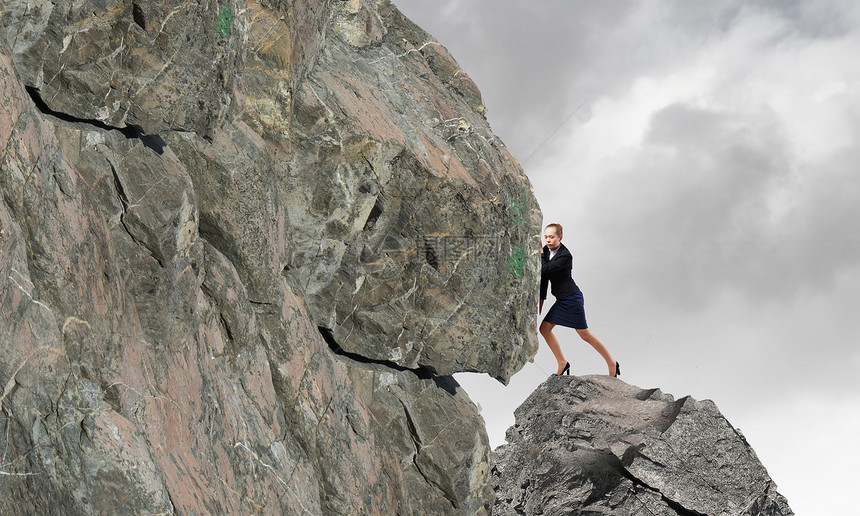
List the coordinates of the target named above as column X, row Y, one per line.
column 568, row 309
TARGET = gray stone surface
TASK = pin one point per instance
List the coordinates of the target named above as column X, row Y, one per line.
column 154, row 65
column 242, row 247
column 437, row 434
column 596, row 445
column 415, row 241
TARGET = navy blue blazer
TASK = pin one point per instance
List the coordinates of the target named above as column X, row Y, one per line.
column 557, row 271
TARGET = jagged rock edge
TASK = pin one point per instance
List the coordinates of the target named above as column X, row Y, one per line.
column 618, row 465
column 446, row 383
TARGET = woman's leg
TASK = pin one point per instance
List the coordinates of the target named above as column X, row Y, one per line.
column 587, row 336
column 546, row 331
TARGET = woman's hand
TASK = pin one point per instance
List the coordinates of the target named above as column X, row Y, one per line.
column 540, row 308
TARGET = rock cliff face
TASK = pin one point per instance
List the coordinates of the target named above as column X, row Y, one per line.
column 243, row 245
column 596, row 445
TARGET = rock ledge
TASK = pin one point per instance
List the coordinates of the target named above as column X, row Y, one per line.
column 596, row 445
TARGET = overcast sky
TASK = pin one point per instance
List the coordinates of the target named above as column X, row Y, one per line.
column 702, row 157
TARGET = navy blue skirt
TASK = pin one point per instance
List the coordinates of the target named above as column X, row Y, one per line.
column 569, row 312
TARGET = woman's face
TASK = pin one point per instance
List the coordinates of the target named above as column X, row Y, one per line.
column 552, row 240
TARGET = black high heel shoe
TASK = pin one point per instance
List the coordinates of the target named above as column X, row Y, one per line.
column 617, row 370
column 566, row 370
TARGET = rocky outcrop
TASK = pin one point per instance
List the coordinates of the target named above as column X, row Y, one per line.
column 243, row 245
column 596, row 445
column 411, row 244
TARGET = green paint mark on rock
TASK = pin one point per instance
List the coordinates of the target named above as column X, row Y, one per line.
column 224, row 21
column 518, row 208
column 517, row 262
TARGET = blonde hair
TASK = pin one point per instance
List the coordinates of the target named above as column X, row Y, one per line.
column 557, row 227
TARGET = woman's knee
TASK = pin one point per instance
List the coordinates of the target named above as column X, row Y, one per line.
column 545, row 328
column 584, row 334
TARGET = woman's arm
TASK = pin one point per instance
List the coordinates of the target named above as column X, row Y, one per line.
column 563, row 260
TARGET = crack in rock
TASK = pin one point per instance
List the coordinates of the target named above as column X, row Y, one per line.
column 151, row 141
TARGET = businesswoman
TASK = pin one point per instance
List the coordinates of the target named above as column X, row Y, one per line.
column 568, row 310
